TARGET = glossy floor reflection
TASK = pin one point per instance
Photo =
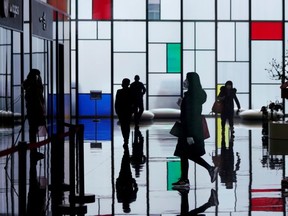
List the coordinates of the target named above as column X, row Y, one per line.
column 249, row 181
column 137, row 180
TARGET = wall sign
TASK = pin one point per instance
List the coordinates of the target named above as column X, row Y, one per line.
column 11, row 14
column 42, row 20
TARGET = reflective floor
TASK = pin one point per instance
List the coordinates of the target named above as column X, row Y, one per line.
column 249, row 180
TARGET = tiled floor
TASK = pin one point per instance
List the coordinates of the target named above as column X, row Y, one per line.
column 249, row 181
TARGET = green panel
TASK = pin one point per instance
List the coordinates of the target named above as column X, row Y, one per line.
column 173, row 173
column 173, row 58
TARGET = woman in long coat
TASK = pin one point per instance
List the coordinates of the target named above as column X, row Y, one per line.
column 191, row 145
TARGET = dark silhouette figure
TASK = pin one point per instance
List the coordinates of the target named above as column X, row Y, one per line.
column 138, row 90
column 228, row 95
column 126, row 186
column 35, row 105
column 192, row 145
column 228, row 170
column 36, row 117
column 212, row 201
column 138, row 158
column 123, row 108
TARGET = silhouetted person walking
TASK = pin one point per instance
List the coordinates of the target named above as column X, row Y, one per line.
column 228, row 95
column 126, row 186
column 191, row 145
column 123, row 108
column 138, row 90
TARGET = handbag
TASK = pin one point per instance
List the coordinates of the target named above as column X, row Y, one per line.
column 177, row 129
column 217, row 106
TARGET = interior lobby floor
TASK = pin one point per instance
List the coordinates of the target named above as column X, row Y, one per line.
column 249, row 180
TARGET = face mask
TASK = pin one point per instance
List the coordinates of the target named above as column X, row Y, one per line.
column 185, row 84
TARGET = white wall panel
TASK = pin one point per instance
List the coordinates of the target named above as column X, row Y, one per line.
column 85, row 9
column 129, row 9
column 129, row 36
column 127, row 65
column 164, row 84
column 157, row 58
column 188, row 61
column 240, row 9
column 170, row 9
column 188, row 35
column 104, row 30
column 205, row 35
column 266, row 9
column 226, row 41
column 223, row 7
column 94, row 66
column 168, row 32
column 87, row 30
column 262, row 53
column 205, row 67
column 238, row 73
column 242, row 41
column 199, row 10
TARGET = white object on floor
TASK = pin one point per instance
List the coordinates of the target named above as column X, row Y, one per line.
column 256, row 114
column 165, row 113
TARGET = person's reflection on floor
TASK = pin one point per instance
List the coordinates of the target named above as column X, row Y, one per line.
column 227, row 171
column 126, row 186
column 212, row 201
column 138, row 158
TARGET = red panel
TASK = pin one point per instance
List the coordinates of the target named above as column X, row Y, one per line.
column 267, row 31
column 101, row 9
column 59, row 4
column 270, row 204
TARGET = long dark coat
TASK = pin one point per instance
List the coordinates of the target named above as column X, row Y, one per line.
column 191, row 118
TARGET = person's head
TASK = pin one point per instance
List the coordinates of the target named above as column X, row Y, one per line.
column 136, row 78
column 192, row 81
column 229, row 84
column 125, row 83
column 34, row 74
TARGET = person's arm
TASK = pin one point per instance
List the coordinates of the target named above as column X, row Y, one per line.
column 143, row 89
column 236, row 100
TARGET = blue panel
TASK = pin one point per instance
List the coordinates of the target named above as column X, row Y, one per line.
column 102, row 127
column 87, row 106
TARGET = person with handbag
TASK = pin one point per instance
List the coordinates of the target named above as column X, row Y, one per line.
column 191, row 144
column 228, row 95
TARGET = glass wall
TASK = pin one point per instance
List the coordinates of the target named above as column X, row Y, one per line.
column 163, row 40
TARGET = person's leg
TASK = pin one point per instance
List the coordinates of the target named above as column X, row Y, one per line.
column 199, row 160
column 184, row 168
column 213, row 171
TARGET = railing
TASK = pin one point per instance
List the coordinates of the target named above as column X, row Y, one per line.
column 75, row 188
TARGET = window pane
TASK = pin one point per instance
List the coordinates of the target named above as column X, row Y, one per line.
column 205, row 35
